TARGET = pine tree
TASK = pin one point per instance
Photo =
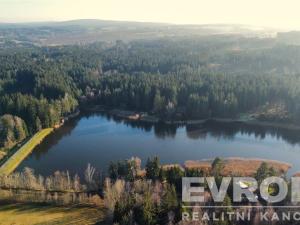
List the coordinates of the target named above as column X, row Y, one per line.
column 153, row 168
column 169, row 201
column 148, row 208
column 38, row 124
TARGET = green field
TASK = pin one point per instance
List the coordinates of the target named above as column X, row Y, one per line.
column 12, row 163
column 32, row 214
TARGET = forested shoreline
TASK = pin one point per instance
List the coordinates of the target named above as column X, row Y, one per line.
column 172, row 79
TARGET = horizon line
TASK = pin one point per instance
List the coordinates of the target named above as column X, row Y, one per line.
column 19, row 21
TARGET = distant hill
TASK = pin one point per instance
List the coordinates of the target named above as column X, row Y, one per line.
column 88, row 31
column 292, row 38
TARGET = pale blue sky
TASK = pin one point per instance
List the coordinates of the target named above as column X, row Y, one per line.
column 271, row 13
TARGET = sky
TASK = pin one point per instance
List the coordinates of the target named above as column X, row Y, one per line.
column 266, row 13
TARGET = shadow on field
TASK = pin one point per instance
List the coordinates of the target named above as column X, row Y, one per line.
column 41, row 214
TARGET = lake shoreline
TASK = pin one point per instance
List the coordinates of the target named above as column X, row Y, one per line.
column 287, row 126
column 17, row 157
column 232, row 166
column 140, row 116
column 9, row 164
column 93, row 131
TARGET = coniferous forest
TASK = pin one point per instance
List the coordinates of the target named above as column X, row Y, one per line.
column 176, row 77
column 179, row 78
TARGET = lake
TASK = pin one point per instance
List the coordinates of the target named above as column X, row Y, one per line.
column 99, row 139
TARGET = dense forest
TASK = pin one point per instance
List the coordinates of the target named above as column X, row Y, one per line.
column 178, row 78
column 12, row 130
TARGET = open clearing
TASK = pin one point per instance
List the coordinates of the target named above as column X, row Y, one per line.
column 32, row 214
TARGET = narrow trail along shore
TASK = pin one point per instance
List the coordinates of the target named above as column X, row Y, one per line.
column 14, row 161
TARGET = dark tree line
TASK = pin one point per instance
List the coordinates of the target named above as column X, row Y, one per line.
column 179, row 78
column 199, row 95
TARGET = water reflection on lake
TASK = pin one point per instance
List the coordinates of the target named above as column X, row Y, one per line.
column 99, row 139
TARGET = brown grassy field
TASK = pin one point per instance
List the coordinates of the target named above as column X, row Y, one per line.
column 239, row 166
column 33, row 214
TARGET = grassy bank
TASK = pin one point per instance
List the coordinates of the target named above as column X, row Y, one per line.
column 25, row 214
column 239, row 166
column 12, row 163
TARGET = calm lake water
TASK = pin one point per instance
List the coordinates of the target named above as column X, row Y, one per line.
column 99, row 139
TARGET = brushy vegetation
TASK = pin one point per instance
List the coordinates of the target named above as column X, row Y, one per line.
column 58, row 199
column 60, row 188
column 155, row 197
column 132, row 195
